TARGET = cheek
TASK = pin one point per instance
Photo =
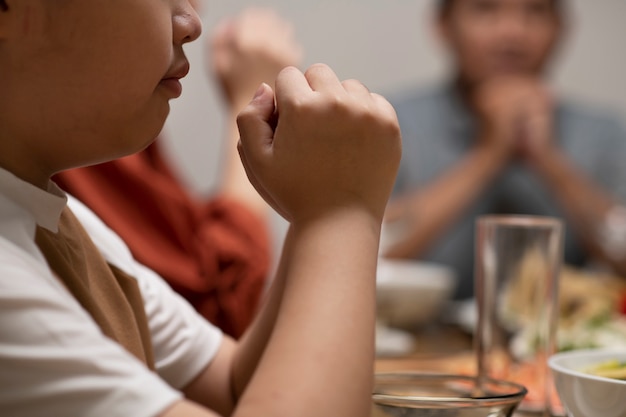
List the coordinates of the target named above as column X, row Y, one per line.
column 114, row 66
column 475, row 39
column 543, row 43
column 472, row 48
column 93, row 84
column 123, row 79
column 122, row 57
column 139, row 64
column 111, row 97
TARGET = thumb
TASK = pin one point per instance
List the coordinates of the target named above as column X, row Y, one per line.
column 255, row 121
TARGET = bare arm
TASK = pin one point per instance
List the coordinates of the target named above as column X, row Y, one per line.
column 327, row 335
column 246, row 51
column 308, row 342
column 515, row 116
column 311, row 350
column 585, row 203
column 416, row 219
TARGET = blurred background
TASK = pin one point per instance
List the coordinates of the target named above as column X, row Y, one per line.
column 389, row 46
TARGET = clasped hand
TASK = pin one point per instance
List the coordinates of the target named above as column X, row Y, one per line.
column 317, row 145
column 516, row 116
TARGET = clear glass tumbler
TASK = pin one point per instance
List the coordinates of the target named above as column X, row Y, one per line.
column 518, row 259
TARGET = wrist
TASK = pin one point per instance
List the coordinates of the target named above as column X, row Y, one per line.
column 611, row 233
column 544, row 160
column 491, row 158
column 341, row 221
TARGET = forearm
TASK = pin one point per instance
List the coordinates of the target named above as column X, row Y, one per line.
column 319, row 358
column 315, row 341
column 326, row 272
column 425, row 214
column 252, row 343
column 584, row 202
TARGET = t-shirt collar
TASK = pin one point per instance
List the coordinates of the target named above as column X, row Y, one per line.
column 44, row 205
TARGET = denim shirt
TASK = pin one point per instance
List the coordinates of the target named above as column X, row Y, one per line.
column 438, row 130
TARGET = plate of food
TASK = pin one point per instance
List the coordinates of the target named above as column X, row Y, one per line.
column 591, row 315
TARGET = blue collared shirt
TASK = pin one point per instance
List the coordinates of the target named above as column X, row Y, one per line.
column 438, row 130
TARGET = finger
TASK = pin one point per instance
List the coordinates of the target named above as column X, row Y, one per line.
column 291, row 86
column 357, row 89
column 258, row 186
column 255, row 120
column 321, row 78
column 250, row 172
column 388, row 112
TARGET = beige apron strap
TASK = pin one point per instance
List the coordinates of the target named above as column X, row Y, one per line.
column 109, row 295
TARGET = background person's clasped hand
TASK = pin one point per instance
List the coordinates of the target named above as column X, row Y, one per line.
column 515, row 116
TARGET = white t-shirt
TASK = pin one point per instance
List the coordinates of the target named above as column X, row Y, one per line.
column 54, row 360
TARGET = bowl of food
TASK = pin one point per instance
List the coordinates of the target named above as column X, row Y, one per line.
column 591, row 382
column 443, row 395
column 411, row 293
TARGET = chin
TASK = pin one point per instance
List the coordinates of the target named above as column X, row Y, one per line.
column 504, row 69
column 142, row 137
column 495, row 74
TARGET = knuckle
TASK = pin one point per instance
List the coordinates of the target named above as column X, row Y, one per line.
column 244, row 116
column 316, row 69
column 287, row 70
column 318, row 66
column 352, row 82
column 295, row 105
column 337, row 103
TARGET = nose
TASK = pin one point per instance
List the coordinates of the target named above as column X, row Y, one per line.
column 187, row 25
column 514, row 25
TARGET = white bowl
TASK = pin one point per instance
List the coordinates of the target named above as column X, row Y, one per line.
column 585, row 395
column 411, row 293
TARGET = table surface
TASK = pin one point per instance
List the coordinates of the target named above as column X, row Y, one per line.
column 438, row 348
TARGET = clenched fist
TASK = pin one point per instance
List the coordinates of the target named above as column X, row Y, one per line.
column 319, row 145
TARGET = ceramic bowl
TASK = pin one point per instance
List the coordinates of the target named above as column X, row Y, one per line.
column 410, row 293
column 586, row 395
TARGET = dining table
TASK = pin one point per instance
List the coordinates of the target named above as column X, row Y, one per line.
column 438, row 348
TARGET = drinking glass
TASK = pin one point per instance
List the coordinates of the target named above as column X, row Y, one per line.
column 518, row 259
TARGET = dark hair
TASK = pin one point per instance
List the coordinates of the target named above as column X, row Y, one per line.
column 3, row 5
column 445, row 5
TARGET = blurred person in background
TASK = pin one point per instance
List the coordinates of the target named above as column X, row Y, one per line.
column 496, row 139
column 214, row 251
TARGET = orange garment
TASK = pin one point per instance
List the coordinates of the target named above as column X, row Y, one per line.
column 215, row 253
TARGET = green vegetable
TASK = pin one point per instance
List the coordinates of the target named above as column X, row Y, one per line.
column 609, row 369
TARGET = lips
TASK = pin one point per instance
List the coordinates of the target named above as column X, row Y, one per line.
column 171, row 81
column 178, row 71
